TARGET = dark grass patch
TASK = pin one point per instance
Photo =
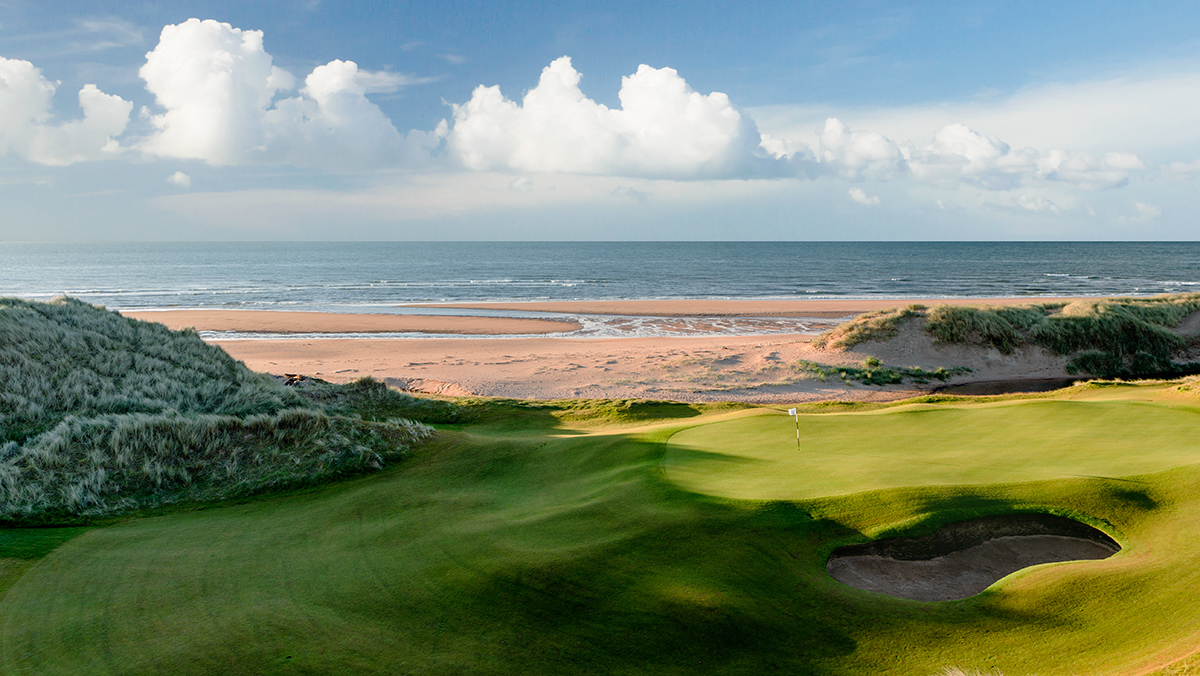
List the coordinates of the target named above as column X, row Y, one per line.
column 872, row 372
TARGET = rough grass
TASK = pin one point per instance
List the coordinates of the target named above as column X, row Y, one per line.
column 1109, row 338
column 876, row 325
column 551, row 548
column 872, row 372
column 101, row 414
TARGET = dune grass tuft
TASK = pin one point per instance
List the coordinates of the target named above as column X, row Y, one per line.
column 877, row 325
column 101, row 414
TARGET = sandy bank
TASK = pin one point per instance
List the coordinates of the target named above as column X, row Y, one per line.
column 721, row 368
column 731, row 308
column 269, row 321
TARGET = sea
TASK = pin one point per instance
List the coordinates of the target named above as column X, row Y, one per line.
column 398, row 277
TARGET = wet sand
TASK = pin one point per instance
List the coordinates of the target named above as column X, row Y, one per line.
column 732, row 308
column 270, row 321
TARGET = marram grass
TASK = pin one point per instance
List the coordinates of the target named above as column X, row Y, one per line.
column 101, row 414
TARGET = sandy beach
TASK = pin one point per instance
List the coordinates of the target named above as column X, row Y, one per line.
column 513, row 362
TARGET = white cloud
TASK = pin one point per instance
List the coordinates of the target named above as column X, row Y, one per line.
column 25, row 119
column 854, row 154
column 1183, row 168
column 385, row 82
column 858, row 195
column 180, row 179
column 218, row 87
column 1147, row 211
column 1146, row 111
column 956, row 154
column 662, row 129
column 1023, row 205
column 216, row 83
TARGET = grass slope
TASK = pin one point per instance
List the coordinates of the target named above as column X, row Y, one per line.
column 101, row 414
column 526, row 544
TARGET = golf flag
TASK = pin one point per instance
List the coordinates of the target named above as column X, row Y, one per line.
column 791, row 411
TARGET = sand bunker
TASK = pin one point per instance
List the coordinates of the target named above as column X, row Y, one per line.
column 962, row 559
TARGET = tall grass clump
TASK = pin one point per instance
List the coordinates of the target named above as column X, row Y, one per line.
column 876, row 325
column 101, row 414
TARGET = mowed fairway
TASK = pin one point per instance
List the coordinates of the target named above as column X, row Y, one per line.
column 757, row 457
column 522, row 546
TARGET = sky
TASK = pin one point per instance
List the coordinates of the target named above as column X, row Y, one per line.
column 324, row 120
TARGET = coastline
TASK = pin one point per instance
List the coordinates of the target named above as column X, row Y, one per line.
column 533, row 358
column 823, row 308
column 690, row 369
column 286, row 321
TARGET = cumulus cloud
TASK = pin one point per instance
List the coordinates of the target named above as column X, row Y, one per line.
column 855, row 154
column 956, row 154
column 27, row 129
column 663, row 129
column 858, row 195
column 219, row 88
column 180, row 179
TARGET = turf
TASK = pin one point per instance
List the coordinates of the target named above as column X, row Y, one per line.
column 553, row 543
column 757, row 458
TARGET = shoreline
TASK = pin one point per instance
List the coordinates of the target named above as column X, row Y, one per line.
column 823, row 308
column 556, row 364
column 288, row 321
column 262, row 321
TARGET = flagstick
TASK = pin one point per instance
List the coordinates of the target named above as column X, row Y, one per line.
column 796, row 412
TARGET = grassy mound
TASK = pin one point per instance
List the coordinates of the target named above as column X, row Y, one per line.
column 101, row 414
column 1110, row 338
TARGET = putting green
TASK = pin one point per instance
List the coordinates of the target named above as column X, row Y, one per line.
column 840, row 453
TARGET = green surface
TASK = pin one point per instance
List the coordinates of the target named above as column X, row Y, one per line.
column 526, row 547
column 757, row 457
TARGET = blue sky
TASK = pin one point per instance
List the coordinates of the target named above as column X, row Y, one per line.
column 353, row 120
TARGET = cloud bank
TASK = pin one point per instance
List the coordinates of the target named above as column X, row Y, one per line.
column 221, row 100
column 26, row 128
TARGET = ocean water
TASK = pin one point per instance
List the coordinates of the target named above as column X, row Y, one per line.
column 382, row 276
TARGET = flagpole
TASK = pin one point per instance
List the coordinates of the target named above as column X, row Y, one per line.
column 796, row 412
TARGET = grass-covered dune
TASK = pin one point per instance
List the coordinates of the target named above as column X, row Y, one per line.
column 589, row 538
column 1109, row 338
column 100, row 414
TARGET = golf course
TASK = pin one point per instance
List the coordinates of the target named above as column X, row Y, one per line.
column 388, row 534
column 646, row 538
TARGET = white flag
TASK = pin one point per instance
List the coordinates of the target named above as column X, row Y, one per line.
column 791, row 411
